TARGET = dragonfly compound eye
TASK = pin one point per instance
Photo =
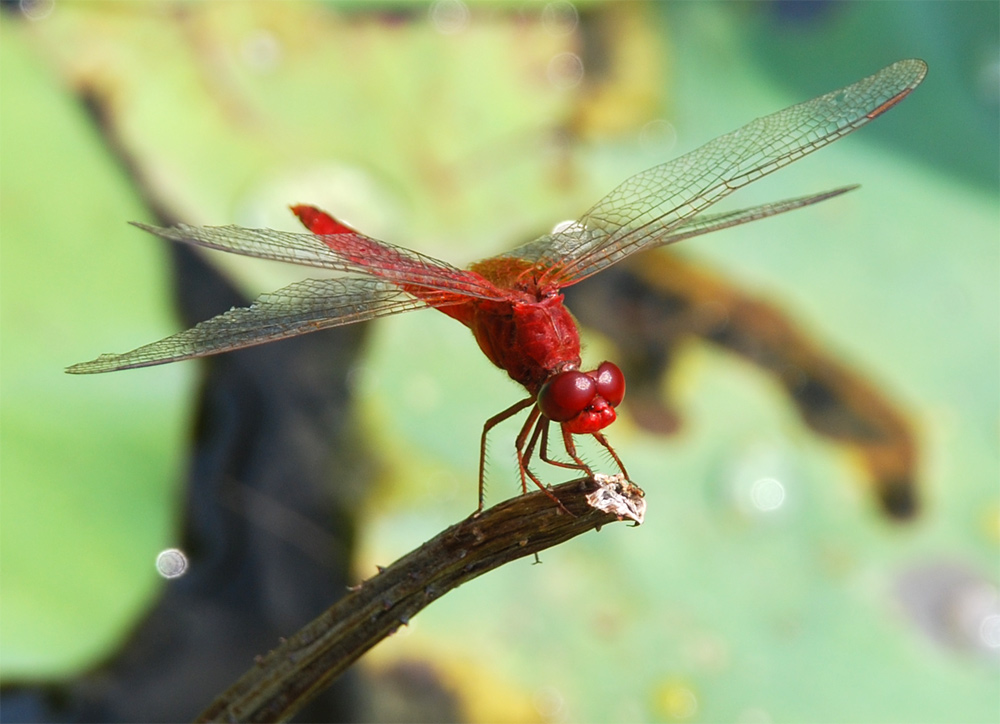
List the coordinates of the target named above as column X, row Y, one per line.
column 566, row 394
column 610, row 383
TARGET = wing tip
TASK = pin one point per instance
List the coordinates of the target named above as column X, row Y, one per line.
column 913, row 72
column 85, row 368
column 842, row 190
column 920, row 66
column 104, row 363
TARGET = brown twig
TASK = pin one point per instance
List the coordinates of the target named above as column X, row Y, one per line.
column 302, row 666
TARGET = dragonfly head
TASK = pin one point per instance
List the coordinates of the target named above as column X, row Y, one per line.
column 583, row 402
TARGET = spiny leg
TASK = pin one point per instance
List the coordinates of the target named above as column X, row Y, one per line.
column 541, row 426
column 571, row 451
column 607, row 446
column 524, row 454
column 490, row 424
column 543, row 453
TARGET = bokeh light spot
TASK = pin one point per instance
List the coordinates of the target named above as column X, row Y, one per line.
column 767, row 494
column 449, row 16
column 261, row 50
column 565, row 70
column 560, row 18
column 989, row 631
column 658, row 137
column 675, row 701
column 171, row 563
column 36, row 9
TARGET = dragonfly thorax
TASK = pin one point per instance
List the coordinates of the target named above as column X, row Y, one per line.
column 532, row 341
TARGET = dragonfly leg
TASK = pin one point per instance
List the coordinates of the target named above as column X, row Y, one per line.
column 544, row 455
column 607, row 446
column 541, row 427
column 571, row 451
column 524, row 453
column 524, row 459
column 490, row 424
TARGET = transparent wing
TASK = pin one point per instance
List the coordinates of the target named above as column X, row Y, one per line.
column 704, row 223
column 303, row 307
column 641, row 212
column 349, row 252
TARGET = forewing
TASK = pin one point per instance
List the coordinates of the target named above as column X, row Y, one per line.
column 349, row 252
column 303, row 307
column 641, row 212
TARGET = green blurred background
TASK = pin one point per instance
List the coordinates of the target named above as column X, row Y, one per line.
column 460, row 131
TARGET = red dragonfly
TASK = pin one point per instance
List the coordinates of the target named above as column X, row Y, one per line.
column 512, row 302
